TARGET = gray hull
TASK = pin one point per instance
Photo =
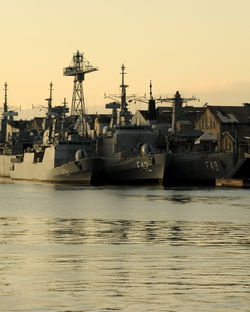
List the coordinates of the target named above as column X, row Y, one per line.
column 140, row 169
column 5, row 165
column 80, row 171
column 197, row 168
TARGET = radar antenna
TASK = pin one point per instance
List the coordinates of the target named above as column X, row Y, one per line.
column 120, row 101
column 5, row 105
column 7, row 115
column 49, row 100
column 177, row 101
column 5, row 111
column 123, row 87
column 78, row 68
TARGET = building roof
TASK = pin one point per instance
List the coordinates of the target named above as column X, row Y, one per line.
column 164, row 113
column 103, row 118
column 228, row 134
column 231, row 114
column 206, row 137
column 144, row 114
column 19, row 124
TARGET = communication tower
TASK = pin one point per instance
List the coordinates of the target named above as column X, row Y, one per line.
column 78, row 68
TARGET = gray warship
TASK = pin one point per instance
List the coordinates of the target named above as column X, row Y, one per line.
column 61, row 151
column 191, row 156
column 65, row 161
column 14, row 143
column 129, row 153
column 63, row 156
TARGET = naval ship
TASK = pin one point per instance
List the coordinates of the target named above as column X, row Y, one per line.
column 62, row 155
column 57, row 153
column 191, row 157
column 62, row 151
column 13, row 144
column 64, row 161
column 129, row 153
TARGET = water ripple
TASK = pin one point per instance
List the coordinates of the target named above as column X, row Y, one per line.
column 148, row 252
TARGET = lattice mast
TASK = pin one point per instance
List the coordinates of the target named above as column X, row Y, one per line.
column 78, row 68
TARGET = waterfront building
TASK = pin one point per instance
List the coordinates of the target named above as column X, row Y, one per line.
column 229, row 124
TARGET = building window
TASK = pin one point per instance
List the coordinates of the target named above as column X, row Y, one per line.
column 206, row 121
column 226, row 143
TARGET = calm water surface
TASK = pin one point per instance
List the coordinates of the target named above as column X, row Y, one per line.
column 143, row 248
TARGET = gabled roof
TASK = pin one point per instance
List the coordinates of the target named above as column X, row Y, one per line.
column 191, row 133
column 144, row 114
column 206, row 137
column 231, row 114
column 228, row 134
column 164, row 113
column 103, row 118
column 19, row 124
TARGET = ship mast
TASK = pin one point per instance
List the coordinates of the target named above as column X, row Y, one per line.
column 177, row 101
column 120, row 102
column 78, row 68
column 49, row 100
column 123, row 93
column 151, row 104
column 5, row 105
column 5, row 114
column 150, row 91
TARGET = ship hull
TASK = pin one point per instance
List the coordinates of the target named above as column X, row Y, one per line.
column 140, row 169
column 5, row 165
column 80, row 171
column 197, row 168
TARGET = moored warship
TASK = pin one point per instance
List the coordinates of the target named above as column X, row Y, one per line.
column 129, row 152
column 129, row 155
column 65, row 161
column 197, row 168
column 13, row 144
column 191, row 156
column 62, row 152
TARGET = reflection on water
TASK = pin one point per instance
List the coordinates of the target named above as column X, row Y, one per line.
column 103, row 232
column 175, row 198
column 66, row 248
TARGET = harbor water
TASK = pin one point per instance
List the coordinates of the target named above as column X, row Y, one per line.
column 132, row 248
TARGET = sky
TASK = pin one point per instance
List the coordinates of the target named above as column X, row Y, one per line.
column 199, row 47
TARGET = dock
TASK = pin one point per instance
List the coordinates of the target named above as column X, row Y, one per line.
column 240, row 183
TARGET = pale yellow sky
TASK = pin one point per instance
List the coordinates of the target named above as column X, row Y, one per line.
column 200, row 47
